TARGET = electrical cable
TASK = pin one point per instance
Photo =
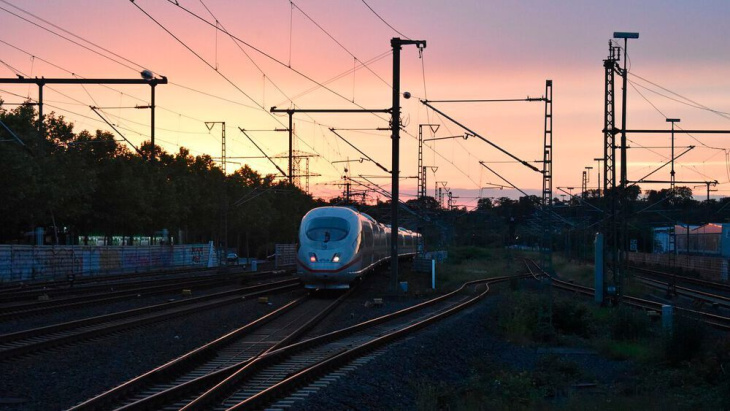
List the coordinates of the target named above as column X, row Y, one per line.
column 112, row 88
column 98, row 53
column 335, row 40
column 693, row 104
column 66, row 38
column 383, row 20
column 258, row 50
column 242, row 42
column 289, row 99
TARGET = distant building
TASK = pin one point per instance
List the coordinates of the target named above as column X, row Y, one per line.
column 708, row 239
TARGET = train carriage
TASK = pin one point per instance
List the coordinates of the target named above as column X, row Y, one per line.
column 338, row 244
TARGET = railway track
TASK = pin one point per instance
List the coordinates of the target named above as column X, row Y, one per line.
column 109, row 294
column 197, row 371
column 714, row 320
column 270, row 378
column 699, row 298
column 28, row 341
column 679, row 279
column 54, row 289
column 64, row 290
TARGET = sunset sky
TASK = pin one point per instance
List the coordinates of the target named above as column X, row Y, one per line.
column 476, row 49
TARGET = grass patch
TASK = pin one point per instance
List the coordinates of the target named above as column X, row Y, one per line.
column 625, row 350
column 473, row 263
column 683, row 369
column 676, row 371
column 576, row 271
column 528, row 317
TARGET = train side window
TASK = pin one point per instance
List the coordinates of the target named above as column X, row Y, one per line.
column 367, row 232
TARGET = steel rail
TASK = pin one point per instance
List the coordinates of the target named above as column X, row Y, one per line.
column 186, row 363
column 60, row 289
column 687, row 292
column 714, row 320
column 41, row 307
column 690, row 280
column 14, row 286
column 23, row 342
column 211, row 397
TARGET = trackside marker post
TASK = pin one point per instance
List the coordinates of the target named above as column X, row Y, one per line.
column 433, row 274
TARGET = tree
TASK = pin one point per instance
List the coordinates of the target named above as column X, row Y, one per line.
column 484, row 203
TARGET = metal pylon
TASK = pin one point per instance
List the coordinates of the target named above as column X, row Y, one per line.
column 547, row 182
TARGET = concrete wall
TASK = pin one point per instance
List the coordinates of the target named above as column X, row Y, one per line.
column 56, row 263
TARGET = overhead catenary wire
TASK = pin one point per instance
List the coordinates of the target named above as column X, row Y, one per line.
column 252, row 47
column 359, row 151
column 693, row 104
column 226, row 78
column 15, row 47
column 263, row 152
column 525, row 163
column 383, row 20
column 407, row 133
column 277, row 61
column 136, row 69
column 242, row 42
column 504, row 179
column 72, row 41
column 94, row 109
column 687, row 101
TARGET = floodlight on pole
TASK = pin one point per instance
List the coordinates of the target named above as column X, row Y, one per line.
column 624, row 75
column 625, row 35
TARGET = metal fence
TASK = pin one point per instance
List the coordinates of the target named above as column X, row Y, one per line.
column 286, row 255
column 700, row 243
column 707, row 267
column 57, row 263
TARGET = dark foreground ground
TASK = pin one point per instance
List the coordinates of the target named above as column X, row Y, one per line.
column 439, row 368
column 463, row 364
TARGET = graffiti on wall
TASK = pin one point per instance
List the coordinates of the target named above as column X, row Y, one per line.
column 31, row 263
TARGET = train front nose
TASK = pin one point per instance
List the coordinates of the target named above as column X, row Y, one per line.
column 322, row 268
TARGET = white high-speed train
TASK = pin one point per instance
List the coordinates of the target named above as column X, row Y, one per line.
column 338, row 244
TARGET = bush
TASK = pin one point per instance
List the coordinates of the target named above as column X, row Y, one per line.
column 459, row 254
column 571, row 317
column 685, row 340
column 628, row 324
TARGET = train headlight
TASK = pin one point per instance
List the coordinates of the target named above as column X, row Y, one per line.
column 312, row 257
column 336, row 258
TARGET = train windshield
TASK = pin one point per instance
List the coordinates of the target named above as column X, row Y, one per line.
column 327, row 229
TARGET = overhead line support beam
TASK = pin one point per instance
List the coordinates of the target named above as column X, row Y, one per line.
column 40, row 82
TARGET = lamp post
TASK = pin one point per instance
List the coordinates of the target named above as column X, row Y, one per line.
column 598, row 170
column 620, row 261
column 624, row 75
